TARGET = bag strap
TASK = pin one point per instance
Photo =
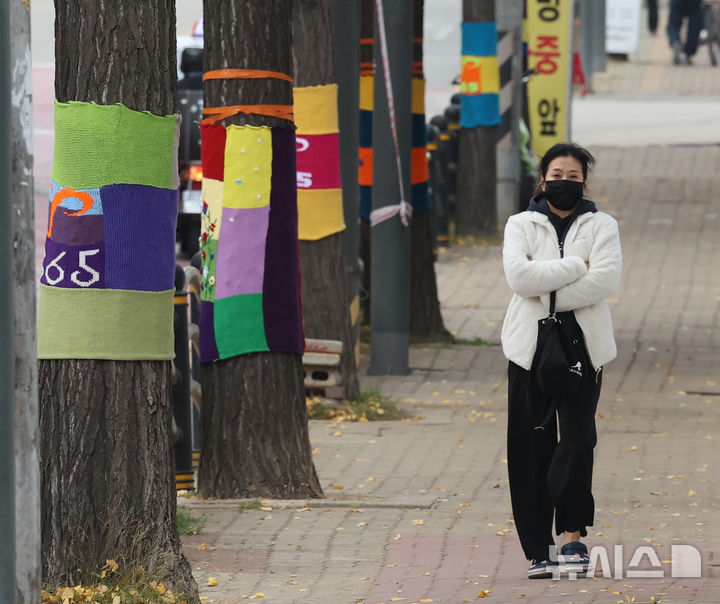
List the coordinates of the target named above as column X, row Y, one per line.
column 552, row 303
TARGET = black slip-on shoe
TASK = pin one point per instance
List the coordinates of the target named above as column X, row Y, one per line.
column 574, row 557
column 542, row 569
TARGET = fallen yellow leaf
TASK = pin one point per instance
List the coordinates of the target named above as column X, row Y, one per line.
column 337, row 487
column 418, row 521
column 202, row 546
column 692, row 493
column 485, row 593
column 212, row 581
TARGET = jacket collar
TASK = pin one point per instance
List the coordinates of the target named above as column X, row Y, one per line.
column 539, row 210
column 543, row 219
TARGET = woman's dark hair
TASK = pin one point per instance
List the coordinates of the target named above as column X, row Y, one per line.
column 587, row 161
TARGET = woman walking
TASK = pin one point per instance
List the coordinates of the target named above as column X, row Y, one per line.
column 561, row 244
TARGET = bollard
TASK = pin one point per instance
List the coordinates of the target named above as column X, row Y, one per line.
column 452, row 113
column 184, row 475
column 438, row 211
column 442, row 179
column 195, row 389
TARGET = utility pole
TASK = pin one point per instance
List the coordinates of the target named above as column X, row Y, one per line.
column 27, row 454
column 476, row 213
column 592, row 49
column 7, row 357
column 510, row 60
column 390, row 239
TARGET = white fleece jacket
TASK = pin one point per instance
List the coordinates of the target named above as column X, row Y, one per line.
column 534, row 268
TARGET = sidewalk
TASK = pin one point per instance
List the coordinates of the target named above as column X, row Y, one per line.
column 424, row 511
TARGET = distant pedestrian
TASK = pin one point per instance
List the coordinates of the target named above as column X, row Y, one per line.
column 652, row 6
column 562, row 243
column 680, row 10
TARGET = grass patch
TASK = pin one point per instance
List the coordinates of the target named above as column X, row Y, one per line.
column 370, row 406
column 188, row 522
column 113, row 584
column 475, row 342
column 249, row 506
column 443, row 340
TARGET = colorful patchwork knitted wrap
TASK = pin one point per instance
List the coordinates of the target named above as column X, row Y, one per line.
column 480, row 75
column 320, row 207
column 107, row 283
column 419, row 170
column 249, row 242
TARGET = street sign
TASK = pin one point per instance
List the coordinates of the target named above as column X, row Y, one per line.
column 549, row 42
column 622, row 26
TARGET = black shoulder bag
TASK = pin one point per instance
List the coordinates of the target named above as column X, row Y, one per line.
column 559, row 359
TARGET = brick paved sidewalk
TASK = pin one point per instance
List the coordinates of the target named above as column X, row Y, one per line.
column 650, row 68
column 424, row 512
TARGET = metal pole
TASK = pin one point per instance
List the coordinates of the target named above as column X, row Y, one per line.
column 570, row 50
column 390, row 240
column 27, row 423
column 7, row 354
column 598, row 21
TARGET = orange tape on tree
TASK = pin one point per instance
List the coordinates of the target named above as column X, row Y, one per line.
column 283, row 112
column 230, row 74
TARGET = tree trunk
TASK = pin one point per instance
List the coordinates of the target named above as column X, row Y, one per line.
column 255, row 440
column 106, row 460
column 326, row 314
column 27, row 464
column 426, row 321
column 476, row 211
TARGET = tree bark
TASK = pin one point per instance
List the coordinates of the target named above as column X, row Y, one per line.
column 476, row 211
column 326, row 314
column 106, row 460
column 27, row 453
column 426, row 321
column 254, row 418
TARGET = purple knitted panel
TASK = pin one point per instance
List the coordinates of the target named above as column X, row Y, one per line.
column 76, row 266
column 281, row 286
column 140, row 236
column 77, row 230
column 206, row 324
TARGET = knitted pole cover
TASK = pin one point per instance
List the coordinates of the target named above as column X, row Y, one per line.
column 108, row 275
column 419, row 171
column 249, row 242
column 320, row 209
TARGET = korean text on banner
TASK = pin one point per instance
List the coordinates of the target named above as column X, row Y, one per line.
column 549, row 44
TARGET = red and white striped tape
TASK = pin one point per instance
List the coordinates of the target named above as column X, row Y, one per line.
column 404, row 209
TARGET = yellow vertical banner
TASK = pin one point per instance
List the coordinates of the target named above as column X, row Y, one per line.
column 549, row 51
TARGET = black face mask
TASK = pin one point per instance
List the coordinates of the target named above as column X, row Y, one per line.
column 564, row 194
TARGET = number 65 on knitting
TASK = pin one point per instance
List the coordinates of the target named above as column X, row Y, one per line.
column 75, row 275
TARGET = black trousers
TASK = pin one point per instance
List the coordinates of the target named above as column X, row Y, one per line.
column 690, row 10
column 652, row 15
column 550, row 476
